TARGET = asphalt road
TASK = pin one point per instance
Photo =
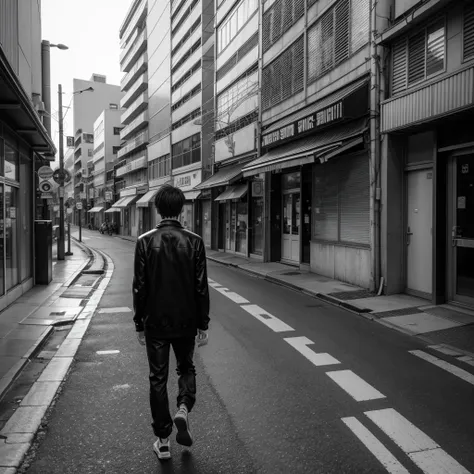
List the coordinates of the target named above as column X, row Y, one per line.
column 350, row 398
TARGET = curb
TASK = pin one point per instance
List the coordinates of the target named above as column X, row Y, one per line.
column 363, row 312
column 76, row 274
column 20, row 430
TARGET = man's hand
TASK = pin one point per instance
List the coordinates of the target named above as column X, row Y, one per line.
column 141, row 337
column 202, row 338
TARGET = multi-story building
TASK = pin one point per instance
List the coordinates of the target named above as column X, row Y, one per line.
column 131, row 168
column 235, row 132
column 89, row 100
column 24, row 144
column 427, row 150
column 106, row 146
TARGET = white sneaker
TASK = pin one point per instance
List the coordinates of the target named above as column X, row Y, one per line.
column 162, row 448
column 183, row 436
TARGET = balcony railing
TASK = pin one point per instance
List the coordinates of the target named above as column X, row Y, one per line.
column 137, row 17
column 134, row 165
column 134, row 125
column 139, row 140
column 132, row 55
column 139, row 67
column 135, row 108
column 140, row 85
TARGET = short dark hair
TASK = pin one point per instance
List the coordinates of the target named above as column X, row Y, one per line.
column 169, row 201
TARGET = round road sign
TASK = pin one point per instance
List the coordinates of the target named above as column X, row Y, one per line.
column 60, row 176
column 45, row 186
column 45, row 172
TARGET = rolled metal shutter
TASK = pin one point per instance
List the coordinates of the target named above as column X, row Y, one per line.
column 468, row 31
column 354, row 199
column 325, row 202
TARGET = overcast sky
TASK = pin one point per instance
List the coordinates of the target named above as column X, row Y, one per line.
column 90, row 28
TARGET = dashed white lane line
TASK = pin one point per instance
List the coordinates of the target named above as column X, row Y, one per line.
column 383, row 455
column 120, row 309
column 355, row 386
column 419, row 447
column 458, row 372
column 231, row 295
column 301, row 345
column 266, row 318
column 107, row 352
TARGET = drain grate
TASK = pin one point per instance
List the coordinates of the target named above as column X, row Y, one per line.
column 351, row 295
column 291, row 273
column 397, row 312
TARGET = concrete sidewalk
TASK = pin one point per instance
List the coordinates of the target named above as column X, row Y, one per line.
column 449, row 328
column 28, row 322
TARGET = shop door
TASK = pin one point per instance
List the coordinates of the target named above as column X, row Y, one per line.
column 461, row 268
column 419, row 233
column 290, row 250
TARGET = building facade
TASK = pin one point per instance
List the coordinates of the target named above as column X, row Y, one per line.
column 89, row 100
column 427, row 105
column 230, row 201
column 131, row 168
column 106, row 146
column 24, row 145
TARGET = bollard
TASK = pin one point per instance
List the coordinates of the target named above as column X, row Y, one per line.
column 68, row 253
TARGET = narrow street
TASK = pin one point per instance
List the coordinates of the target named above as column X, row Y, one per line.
column 287, row 384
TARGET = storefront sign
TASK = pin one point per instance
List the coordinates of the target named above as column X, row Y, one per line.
column 353, row 106
column 128, row 192
column 187, row 181
column 183, row 181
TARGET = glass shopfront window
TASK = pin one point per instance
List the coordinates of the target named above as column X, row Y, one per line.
column 11, row 163
column 206, row 222
column 2, row 234
column 256, row 244
column 11, row 237
column 242, row 221
column 186, row 217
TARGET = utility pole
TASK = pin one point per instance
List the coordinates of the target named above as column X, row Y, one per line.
column 61, row 173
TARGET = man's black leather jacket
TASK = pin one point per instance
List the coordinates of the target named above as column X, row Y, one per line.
column 170, row 288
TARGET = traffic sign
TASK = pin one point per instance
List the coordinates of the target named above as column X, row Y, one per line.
column 78, row 206
column 45, row 186
column 45, row 172
column 69, row 210
column 61, row 177
column 46, row 196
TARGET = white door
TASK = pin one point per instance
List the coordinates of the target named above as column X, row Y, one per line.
column 291, row 228
column 419, row 231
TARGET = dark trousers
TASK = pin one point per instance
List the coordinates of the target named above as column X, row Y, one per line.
column 158, row 352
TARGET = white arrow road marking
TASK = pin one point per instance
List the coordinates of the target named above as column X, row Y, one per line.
column 121, row 309
column 458, row 372
column 266, row 318
column 107, row 352
column 356, row 387
column 383, row 455
column 231, row 295
column 419, row 447
column 301, row 345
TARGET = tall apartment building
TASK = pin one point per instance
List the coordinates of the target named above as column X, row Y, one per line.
column 24, row 143
column 236, row 92
column 106, row 146
column 427, row 107
column 131, row 168
column 89, row 100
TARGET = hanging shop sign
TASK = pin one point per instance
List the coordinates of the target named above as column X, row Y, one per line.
column 189, row 180
column 352, row 106
column 70, row 142
column 108, row 196
column 45, row 172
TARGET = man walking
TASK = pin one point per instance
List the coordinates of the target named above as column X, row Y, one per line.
column 171, row 307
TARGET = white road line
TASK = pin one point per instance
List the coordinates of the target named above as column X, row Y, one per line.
column 301, row 345
column 121, row 309
column 107, row 352
column 383, row 455
column 231, row 295
column 356, row 387
column 266, row 318
column 421, row 449
column 458, row 372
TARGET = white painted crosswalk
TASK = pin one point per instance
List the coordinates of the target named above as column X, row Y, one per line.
column 355, row 386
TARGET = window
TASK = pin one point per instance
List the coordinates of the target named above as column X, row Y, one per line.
column 186, row 55
column 183, row 18
column 186, row 36
column 194, row 91
column 187, row 118
column 159, row 167
column 90, row 152
column 113, row 106
column 419, row 56
column 235, row 22
column 117, row 130
column 88, row 138
column 283, row 77
column 187, row 75
column 340, row 32
column 251, row 43
column 278, row 19
column 187, row 151
column 115, row 150
column 468, row 31
column 12, row 165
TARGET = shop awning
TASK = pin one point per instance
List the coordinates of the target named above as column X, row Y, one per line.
column 191, row 195
column 223, row 177
column 234, row 192
column 147, row 198
column 112, row 209
column 96, row 209
column 125, row 201
column 306, row 150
